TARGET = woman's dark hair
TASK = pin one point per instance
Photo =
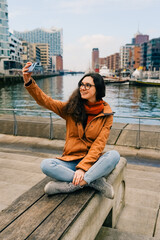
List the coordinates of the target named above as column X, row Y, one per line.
column 75, row 106
column 99, row 84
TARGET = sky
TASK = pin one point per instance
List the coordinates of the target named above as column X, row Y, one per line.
column 87, row 24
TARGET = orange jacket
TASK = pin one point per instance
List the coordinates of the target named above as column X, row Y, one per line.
column 86, row 144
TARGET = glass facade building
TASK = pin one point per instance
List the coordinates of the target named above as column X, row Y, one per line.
column 153, row 54
column 143, row 55
column 4, row 30
column 51, row 36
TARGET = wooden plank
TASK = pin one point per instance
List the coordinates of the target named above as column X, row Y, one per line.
column 64, row 215
column 22, row 203
column 25, row 224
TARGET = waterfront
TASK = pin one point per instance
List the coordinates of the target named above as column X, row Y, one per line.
column 125, row 100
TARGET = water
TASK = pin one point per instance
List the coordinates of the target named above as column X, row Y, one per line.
column 125, row 100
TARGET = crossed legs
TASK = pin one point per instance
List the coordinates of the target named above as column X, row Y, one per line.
column 64, row 171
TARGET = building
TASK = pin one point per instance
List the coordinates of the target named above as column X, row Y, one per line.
column 102, row 62
column 125, row 55
column 13, row 63
column 27, row 55
column 4, row 32
column 36, row 53
column 153, row 54
column 140, row 38
column 134, row 57
column 45, row 56
column 143, row 55
column 95, row 59
column 15, row 47
column 57, row 63
column 52, row 37
column 111, row 62
column 138, row 51
column 116, row 61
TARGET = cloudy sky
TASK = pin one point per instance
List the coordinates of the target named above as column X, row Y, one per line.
column 106, row 24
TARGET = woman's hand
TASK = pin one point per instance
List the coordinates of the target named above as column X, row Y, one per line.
column 78, row 176
column 26, row 75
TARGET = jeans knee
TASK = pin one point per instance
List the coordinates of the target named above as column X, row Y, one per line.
column 46, row 165
column 116, row 156
column 43, row 165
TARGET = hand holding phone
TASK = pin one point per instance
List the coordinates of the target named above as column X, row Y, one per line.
column 31, row 68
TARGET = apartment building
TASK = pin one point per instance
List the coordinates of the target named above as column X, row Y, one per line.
column 112, row 62
column 13, row 63
column 125, row 55
column 102, row 62
column 15, row 47
column 36, row 53
column 134, row 57
column 45, row 56
column 28, row 55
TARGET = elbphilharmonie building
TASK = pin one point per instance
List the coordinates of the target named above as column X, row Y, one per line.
column 53, row 36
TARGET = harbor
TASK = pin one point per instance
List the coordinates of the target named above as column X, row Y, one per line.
column 136, row 77
column 124, row 99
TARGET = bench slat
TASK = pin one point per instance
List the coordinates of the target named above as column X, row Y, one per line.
column 32, row 218
column 63, row 216
column 22, row 203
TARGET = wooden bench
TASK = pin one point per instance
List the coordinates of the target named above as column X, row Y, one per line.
column 73, row 216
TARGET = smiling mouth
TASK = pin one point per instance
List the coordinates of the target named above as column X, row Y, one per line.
column 83, row 93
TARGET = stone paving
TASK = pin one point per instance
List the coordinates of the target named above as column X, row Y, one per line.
column 20, row 159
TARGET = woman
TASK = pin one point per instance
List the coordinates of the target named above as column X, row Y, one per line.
column 88, row 123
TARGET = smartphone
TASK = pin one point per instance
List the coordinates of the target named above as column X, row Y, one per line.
column 31, row 68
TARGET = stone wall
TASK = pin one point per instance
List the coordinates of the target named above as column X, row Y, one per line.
column 122, row 134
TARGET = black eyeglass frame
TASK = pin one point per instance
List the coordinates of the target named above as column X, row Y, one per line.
column 87, row 86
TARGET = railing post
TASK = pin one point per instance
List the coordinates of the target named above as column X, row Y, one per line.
column 51, row 127
column 138, row 144
column 15, row 124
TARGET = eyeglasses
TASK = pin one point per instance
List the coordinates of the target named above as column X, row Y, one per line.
column 86, row 86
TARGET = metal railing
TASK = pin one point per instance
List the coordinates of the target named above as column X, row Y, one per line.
column 50, row 113
column 139, row 124
column 14, row 111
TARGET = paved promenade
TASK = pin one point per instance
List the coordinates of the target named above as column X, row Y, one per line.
column 20, row 159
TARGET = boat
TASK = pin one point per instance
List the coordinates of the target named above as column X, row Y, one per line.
column 148, row 82
column 110, row 77
column 116, row 80
column 104, row 71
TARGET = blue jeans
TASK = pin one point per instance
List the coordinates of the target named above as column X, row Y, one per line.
column 64, row 171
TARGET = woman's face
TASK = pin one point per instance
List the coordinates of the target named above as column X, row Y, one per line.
column 88, row 89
